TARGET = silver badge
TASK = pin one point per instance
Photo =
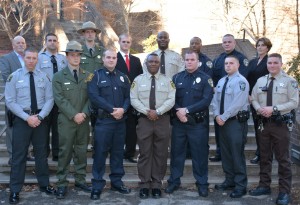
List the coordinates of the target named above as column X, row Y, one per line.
column 209, row 64
column 122, row 79
column 198, row 80
column 246, row 62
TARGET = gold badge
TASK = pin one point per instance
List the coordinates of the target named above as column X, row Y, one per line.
column 210, row 82
column 89, row 78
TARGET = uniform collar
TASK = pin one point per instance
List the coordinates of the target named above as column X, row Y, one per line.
column 150, row 75
column 278, row 75
column 233, row 75
column 194, row 74
column 50, row 54
column 107, row 72
column 27, row 71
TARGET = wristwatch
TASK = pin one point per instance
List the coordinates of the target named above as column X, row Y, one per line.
column 40, row 118
column 186, row 111
column 157, row 112
column 275, row 109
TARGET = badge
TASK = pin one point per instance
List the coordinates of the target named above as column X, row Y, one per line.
column 294, row 84
column 198, row 80
column 132, row 85
column 172, row 84
column 89, row 78
column 162, row 84
column 210, row 82
column 246, row 62
column 281, row 84
column 122, row 79
column 209, row 64
column 99, row 56
column 242, row 85
column 199, row 64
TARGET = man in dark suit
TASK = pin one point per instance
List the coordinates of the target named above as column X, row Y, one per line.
column 8, row 64
column 132, row 67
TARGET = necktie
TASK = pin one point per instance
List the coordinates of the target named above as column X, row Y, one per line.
column 223, row 97
column 269, row 92
column 33, row 105
column 75, row 75
column 54, row 62
column 127, row 62
column 91, row 51
column 152, row 94
column 162, row 63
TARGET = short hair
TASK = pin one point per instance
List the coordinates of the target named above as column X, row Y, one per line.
column 125, row 35
column 108, row 49
column 233, row 56
column 191, row 52
column 275, row 55
column 50, row 34
column 196, row 37
column 151, row 54
column 30, row 49
column 266, row 42
column 228, row 35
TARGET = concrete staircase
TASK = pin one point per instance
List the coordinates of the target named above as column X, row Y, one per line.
column 131, row 178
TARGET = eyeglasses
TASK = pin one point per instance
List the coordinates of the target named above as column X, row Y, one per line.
column 126, row 42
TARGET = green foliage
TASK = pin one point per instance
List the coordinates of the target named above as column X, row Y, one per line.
column 149, row 44
column 294, row 67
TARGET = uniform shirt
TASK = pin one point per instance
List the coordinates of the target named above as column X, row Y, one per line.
column 17, row 92
column 45, row 64
column 108, row 90
column 205, row 64
column 236, row 96
column 193, row 91
column 256, row 71
column 219, row 63
column 285, row 94
column 94, row 62
column 164, row 93
column 173, row 62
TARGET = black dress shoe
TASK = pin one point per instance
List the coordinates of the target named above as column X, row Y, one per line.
column 260, row 191
column 144, row 193
column 202, row 191
column 255, row 160
column 14, row 198
column 224, row 186
column 131, row 159
column 95, row 194
column 156, row 193
column 84, row 187
column 283, row 199
column 48, row 189
column 216, row 158
column 171, row 188
column 61, row 192
column 122, row 189
column 238, row 193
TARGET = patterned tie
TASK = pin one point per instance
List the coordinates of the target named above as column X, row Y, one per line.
column 223, row 97
column 270, row 92
column 54, row 62
column 33, row 105
column 162, row 63
column 75, row 75
column 127, row 62
column 152, row 94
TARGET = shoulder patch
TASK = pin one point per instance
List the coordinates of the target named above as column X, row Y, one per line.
column 209, row 64
column 294, row 84
column 132, row 85
column 246, row 62
column 9, row 78
column 90, row 77
column 210, row 82
column 172, row 84
column 242, row 85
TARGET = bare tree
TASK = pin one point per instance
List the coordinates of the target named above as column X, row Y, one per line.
column 23, row 12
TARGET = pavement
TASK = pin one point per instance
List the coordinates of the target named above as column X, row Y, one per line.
column 184, row 196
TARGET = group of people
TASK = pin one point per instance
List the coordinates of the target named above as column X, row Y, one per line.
column 128, row 103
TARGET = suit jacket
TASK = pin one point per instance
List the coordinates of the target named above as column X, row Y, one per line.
column 8, row 64
column 135, row 66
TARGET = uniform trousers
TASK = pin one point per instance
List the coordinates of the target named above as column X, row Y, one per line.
column 53, row 115
column 23, row 134
column 131, row 136
column 73, row 141
column 217, row 137
column 109, row 138
column 197, row 136
column 275, row 137
column 153, row 138
column 233, row 137
column 8, row 135
column 255, row 120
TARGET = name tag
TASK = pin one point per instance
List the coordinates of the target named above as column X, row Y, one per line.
column 20, row 81
column 103, row 81
column 83, row 58
column 143, row 85
column 45, row 61
column 67, row 83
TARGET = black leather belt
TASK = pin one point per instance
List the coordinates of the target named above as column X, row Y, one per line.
column 29, row 112
column 232, row 118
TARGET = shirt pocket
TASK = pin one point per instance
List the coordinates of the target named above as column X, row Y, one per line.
column 144, row 92
column 23, row 90
column 180, row 91
column 104, row 89
column 218, row 92
column 69, row 90
column 197, row 91
column 41, row 87
column 162, row 91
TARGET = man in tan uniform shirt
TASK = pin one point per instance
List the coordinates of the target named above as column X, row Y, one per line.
column 152, row 95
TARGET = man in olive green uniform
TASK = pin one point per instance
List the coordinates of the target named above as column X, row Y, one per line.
column 91, row 58
column 70, row 91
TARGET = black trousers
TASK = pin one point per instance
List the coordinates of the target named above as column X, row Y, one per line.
column 131, row 136
column 23, row 134
column 52, row 126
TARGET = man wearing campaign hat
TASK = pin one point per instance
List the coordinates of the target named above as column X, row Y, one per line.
column 91, row 58
column 70, row 90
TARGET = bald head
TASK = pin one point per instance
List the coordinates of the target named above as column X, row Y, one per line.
column 163, row 40
column 19, row 45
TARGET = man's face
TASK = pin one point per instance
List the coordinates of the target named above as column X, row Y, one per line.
column 125, row 43
column 110, row 60
column 191, row 62
column 228, row 44
column 153, row 63
column 73, row 58
column 274, row 65
column 19, row 45
column 30, row 60
column 231, row 65
column 195, row 45
column 89, row 35
column 163, row 40
column 51, row 43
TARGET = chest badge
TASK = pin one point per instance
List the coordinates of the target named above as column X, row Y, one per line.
column 198, row 80
column 122, row 79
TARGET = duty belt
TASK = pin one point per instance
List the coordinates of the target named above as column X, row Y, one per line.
column 29, row 112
